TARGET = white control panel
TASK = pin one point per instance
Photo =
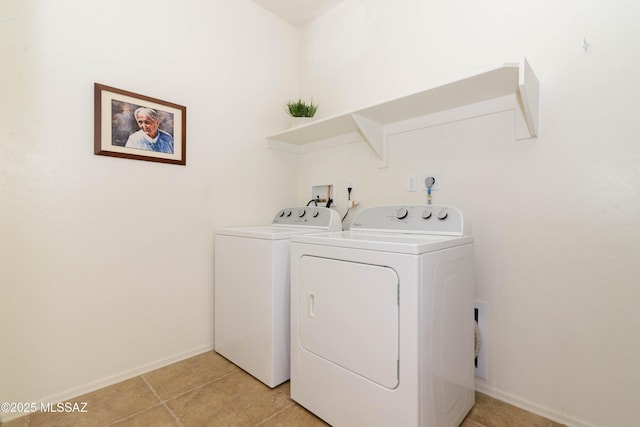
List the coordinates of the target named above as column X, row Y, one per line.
column 419, row 219
column 308, row 216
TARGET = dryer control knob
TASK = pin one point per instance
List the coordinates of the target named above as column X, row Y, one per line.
column 281, row 214
column 426, row 214
column 301, row 213
column 287, row 213
column 402, row 213
column 443, row 214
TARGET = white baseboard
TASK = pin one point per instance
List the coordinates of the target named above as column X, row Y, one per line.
column 538, row 409
column 105, row 382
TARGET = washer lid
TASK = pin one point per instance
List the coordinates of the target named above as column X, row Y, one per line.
column 267, row 232
column 384, row 241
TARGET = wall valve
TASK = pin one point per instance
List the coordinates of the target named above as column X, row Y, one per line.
column 430, row 182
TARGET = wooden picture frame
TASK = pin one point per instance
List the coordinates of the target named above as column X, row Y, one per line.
column 139, row 127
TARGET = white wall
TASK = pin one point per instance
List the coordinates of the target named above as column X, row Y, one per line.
column 556, row 218
column 106, row 264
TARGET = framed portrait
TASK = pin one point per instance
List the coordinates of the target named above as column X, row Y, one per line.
column 138, row 127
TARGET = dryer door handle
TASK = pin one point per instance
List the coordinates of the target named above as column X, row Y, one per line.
column 312, row 305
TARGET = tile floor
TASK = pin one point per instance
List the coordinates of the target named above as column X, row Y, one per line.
column 208, row 390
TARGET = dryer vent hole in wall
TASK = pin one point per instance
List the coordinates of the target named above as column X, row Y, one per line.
column 480, row 339
column 476, row 338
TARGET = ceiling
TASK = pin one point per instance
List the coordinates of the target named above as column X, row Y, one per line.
column 297, row 12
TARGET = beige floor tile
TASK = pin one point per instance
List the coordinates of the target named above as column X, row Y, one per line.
column 104, row 406
column 235, row 400
column 285, row 388
column 293, row 416
column 491, row 412
column 158, row 416
column 183, row 376
column 18, row 422
column 208, row 390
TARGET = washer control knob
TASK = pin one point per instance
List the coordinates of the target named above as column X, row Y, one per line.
column 443, row 214
column 287, row 213
column 426, row 214
column 315, row 213
column 281, row 214
column 301, row 212
column 402, row 213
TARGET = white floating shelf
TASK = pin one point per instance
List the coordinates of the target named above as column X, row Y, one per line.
column 509, row 86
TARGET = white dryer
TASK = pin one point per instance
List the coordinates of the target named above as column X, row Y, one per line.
column 382, row 325
column 252, row 267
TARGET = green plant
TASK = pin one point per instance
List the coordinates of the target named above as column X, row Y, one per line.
column 300, row 108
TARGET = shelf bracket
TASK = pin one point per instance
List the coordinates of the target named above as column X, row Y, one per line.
column 373, row 133
column 528, row 99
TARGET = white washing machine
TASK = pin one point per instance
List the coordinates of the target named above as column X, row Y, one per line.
column 382, row 324
column 252, row 268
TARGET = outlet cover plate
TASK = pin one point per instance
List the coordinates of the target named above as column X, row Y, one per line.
column 411, row 182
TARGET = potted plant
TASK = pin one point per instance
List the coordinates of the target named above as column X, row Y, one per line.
column 300, row 111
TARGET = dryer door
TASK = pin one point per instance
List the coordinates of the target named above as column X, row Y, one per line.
column 348, row 315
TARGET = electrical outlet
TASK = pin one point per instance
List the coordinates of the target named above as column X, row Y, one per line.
column 411, row 183
column 481, row 341
column 436, row 185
